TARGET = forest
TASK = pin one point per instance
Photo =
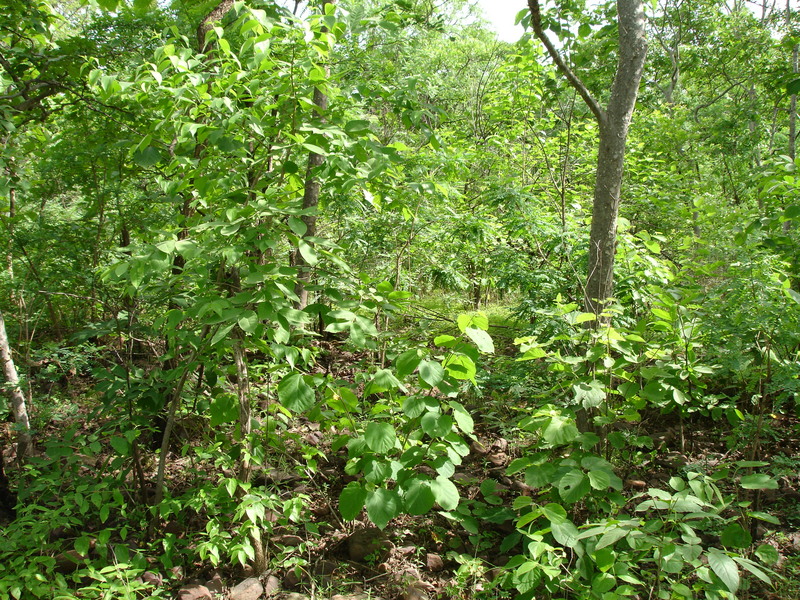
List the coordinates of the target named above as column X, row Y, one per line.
column 350, row 300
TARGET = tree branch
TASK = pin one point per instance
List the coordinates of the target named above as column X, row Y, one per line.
column 574, row 80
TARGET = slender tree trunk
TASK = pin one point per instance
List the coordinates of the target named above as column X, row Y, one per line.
column 311, row 197
column 15, row 395
column 614, row 122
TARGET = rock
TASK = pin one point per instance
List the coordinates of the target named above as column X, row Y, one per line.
column 249, row 589
column 415, row 591
column 215, row 584
column 194, row 592
column 272, row 586
column 479, row 447
column 295, row 596
column 154, row 579
column 407, row 550
column 434, row 562
column 325, row 567
column 498, row 459
column 287, row 540
column 68, row 561
column 369, row 542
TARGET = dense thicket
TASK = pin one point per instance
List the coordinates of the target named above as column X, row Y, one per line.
column 274, row 268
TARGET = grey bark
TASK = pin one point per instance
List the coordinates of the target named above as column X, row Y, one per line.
column 310, row 197
column 15, row 395
column 614, row 122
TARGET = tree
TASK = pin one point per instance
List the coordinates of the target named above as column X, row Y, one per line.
column 614, row 122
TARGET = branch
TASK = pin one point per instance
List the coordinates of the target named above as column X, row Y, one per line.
column 580, row 87
column 208, row 22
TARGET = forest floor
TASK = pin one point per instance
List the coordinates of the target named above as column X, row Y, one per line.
column 319, row 556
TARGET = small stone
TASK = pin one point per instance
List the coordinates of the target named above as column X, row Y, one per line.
column 295, row 596
column 479, row 447
column 155, row 579
column 499, row 459
column 368, row 543
column 434, row 562
column 407, row 550
column 249, row 589
column 272, row 586
column 288, row 540
column 415, row 591
column 215, row 584
column 194, row 592
column 325, row 567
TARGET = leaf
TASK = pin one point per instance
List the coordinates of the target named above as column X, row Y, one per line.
column 573, row 486
column 308, row 252
column 221, row 334
column 565, row 533
column 380, row 437
column 295, row 394
column 560, row 430
column 725, row 568
column 431, row 372
column 351, row 500
column 460, row 366
column 120, row 444
column 407, row 362
column 248, row 321
column 758, row 481
column 482, row 340
column 223, row 409
column 793, row 87
column 475, row 321
column 735, row 536
column 462, row 417
column 436, row 425
column 418, row 498
column 767, row 554
column 445, row 492
column 356, row 127
column 147, row 157
column 555, row 513
column 599, row 480
column 382, row 506
column 298, row 226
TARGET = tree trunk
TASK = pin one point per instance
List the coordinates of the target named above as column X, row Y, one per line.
column 614, row 122
column 15, row 395
column 310, row 197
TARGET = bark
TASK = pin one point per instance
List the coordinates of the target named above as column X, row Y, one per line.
column 614, row 122
column 310, row 197
column 15, row 395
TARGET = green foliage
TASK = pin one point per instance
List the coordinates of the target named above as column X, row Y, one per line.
column 425, row 432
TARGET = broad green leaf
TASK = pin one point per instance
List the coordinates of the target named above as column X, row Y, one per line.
column 540, row 475
column 248, row 321
column 224, row 409
column 725, row 568
column 295, row 394
column 600, row 480
column 603, row 582
column 462, row 417
column 431, row 372
column 445, row 492
column 436, row 425
column 555, row 513
column 380, row 437
column 407, row 362
column 382, row 506
column 298, row 226
column 147, row 157
column 351, row 500
column 476, row 321
column 418, row 497
column 573, row 486
column 565, row 533
column 735, row 536
column 120, row 444
column 460, row 366
column 414, row 406
column 758, row 481
column 762, row 516
column 560, row 430
column 308, row 252
column 482, row 339
column 356, row 127
column 221, row 334
column 767, row 554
